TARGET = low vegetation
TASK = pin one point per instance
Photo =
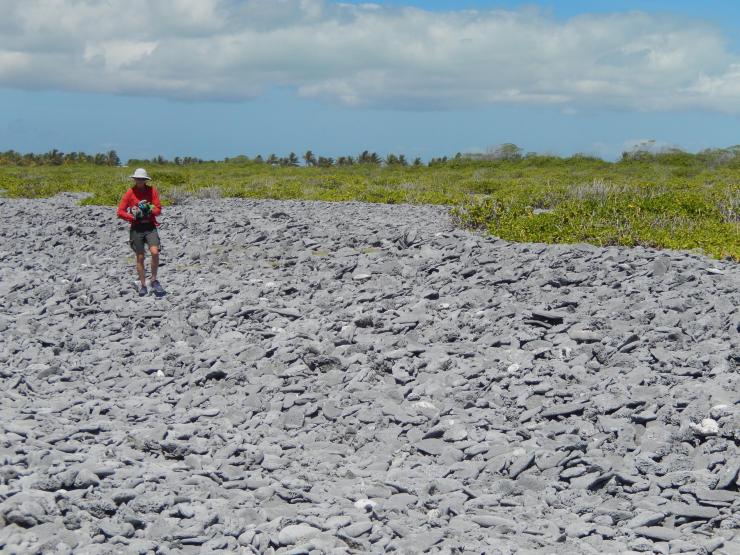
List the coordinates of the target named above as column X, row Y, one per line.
column 667, row 199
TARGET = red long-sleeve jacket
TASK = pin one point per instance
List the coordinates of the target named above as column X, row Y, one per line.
column 133, row 197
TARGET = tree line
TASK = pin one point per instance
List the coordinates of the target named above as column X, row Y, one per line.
column 311, row 160
column 58, row 158
column 507, row 152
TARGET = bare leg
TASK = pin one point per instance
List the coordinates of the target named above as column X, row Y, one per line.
column 155, row 261
column 140, row 268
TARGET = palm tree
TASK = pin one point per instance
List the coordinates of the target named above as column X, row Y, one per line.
column 113, row 159
column 369, row 158
column 55, row 157
column 310, row 158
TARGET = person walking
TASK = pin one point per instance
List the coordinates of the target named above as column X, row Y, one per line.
column 140, row 207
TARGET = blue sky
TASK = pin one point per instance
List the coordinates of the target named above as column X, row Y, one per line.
column 217, row 78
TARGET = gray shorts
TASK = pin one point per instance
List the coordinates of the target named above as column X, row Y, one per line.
column 142, row 234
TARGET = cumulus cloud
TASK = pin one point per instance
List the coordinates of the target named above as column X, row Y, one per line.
column 366, row 54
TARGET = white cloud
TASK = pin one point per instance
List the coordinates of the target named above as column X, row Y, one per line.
column 366, row 55
column 722, row 90
column 119, row 54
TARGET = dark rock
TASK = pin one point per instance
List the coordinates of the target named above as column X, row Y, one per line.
column 548, row 316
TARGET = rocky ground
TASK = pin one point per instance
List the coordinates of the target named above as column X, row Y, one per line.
column 347, row 378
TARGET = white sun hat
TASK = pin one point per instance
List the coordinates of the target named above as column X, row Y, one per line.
column 140, row 173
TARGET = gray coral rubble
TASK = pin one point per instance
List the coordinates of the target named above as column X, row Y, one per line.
column 351, row 378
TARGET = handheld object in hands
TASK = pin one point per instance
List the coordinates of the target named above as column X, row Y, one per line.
column 141, row 210
column 145, row 208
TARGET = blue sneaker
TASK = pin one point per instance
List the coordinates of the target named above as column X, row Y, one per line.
column 158, row 289
column 142, row 291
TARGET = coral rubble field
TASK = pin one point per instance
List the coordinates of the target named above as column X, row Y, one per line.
column 352, row 378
